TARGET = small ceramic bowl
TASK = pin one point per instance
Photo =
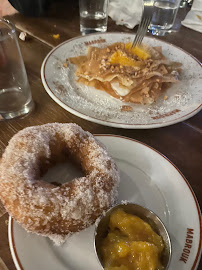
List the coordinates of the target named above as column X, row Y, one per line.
column 101, row 229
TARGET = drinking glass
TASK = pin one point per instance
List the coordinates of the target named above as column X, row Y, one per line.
column 15, row 95
column 93, row 16
column 164, row 14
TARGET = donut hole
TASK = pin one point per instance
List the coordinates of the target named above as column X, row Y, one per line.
column 61, row 167
column 61, row 173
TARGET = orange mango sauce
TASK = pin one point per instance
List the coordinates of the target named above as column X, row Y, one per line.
column 131, row 244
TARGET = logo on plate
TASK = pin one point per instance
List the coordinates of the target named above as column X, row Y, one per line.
column 187, row 246
column 100, row 40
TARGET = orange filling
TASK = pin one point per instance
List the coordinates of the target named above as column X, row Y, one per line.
column 138, row 50
column 131, row 244
column 121, row 58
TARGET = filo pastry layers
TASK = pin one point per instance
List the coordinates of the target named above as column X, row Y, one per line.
column 137, row 75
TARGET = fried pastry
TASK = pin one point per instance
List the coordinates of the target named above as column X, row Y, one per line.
column 137, row 75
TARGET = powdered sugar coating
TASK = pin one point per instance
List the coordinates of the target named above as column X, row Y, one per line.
column 41, row 207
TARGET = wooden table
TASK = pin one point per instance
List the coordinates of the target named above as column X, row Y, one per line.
column 181, row 143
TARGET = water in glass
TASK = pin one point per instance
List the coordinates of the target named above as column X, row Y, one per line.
column 15, row 95
column 96, row 22
column 164, row 14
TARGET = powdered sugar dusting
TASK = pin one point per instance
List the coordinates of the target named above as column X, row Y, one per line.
column 182, row 99
column 58, row 239
column 124, row 202
column 41, row 207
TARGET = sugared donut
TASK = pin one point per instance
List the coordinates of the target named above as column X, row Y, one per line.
column 45, row 208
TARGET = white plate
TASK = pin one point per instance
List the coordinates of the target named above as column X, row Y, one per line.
column 184, row 99
column 147, row 178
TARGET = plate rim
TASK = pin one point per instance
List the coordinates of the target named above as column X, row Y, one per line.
column 106, row 122
column 12, row 245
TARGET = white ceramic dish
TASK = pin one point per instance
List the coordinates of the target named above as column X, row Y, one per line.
column 147, row 178
column 184, row 99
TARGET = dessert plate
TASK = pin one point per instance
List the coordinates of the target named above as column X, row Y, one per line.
column 183, row 99
column 147, row 178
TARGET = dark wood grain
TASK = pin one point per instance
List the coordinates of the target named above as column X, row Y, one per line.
column 4, row 247
column 181, row 143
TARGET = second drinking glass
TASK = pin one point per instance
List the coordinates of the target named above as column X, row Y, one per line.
column 93, row 16
column 164, row 14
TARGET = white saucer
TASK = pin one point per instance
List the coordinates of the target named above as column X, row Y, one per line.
column 147, row 178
